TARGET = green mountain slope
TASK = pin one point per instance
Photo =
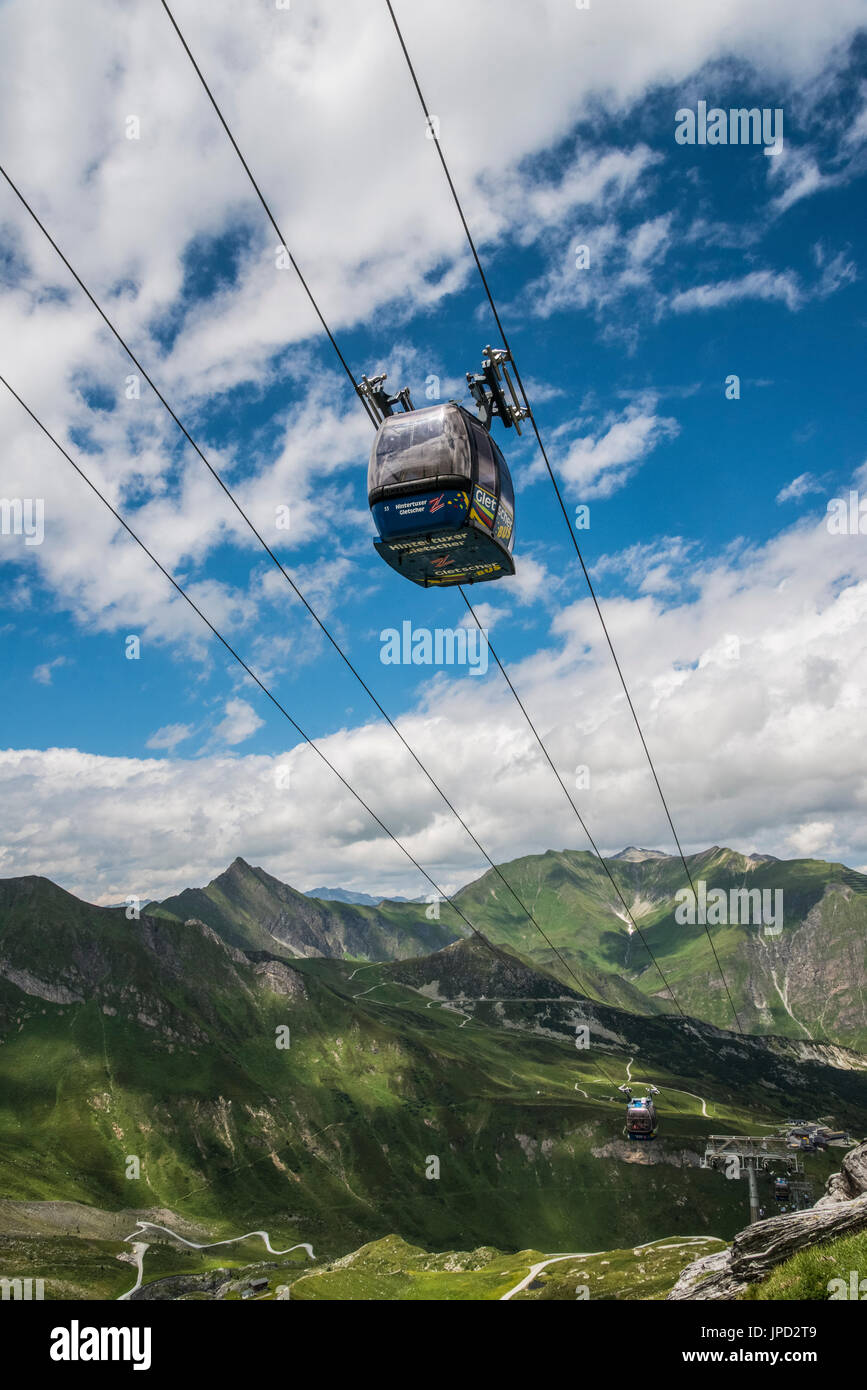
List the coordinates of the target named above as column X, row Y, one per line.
column 155, row 1040
column 809, row 980
column 390, row 1269
column 253, row 910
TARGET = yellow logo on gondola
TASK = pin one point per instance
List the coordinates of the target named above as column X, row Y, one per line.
column 453, row 575
column 483, row 508
column 505, row 522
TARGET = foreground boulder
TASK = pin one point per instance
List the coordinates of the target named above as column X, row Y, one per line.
column 850, row 1182
column 755, row 1251
column 709, row 1277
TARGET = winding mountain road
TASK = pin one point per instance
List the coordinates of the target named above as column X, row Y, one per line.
column 138, row 1251
column 139, row 1247
column 534, row 1270
column 678, row 1092
column 674, row 1089
column 684, row 1241
column 372, row 966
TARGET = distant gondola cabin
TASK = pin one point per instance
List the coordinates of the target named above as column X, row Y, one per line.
column 641, row 1120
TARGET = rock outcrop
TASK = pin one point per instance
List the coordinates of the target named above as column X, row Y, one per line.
column 850, row 1182
column 755, row 1251
column 707, row 1278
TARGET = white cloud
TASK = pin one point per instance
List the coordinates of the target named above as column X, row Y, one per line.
column 799, row 487
column 534, row 582
column 800, row 173
column 798, row 167
column 595, row 181
column 488, row 615
column 836, row 272
column 649, row 241
column 43, row 674
column 169, row 736
column 748, row 689
column 758, row 284
column 782, row 286
column 656, row 568
column 597, row 465
column 812, row 838
column 856, row 134
column 240, row 722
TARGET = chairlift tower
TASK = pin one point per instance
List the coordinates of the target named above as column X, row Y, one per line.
column 754, row 1155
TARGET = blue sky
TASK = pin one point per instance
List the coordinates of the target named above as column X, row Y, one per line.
column 704, row 262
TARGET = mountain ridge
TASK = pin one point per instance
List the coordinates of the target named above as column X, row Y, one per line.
column 253, row 909
column 807, row 980
column 348, row 895
column 157, row 1038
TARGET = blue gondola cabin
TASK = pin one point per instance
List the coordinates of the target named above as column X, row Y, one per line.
column 441, row 497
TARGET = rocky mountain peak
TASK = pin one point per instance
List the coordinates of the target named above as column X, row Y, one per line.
column 239, row 868
column 633, row 855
